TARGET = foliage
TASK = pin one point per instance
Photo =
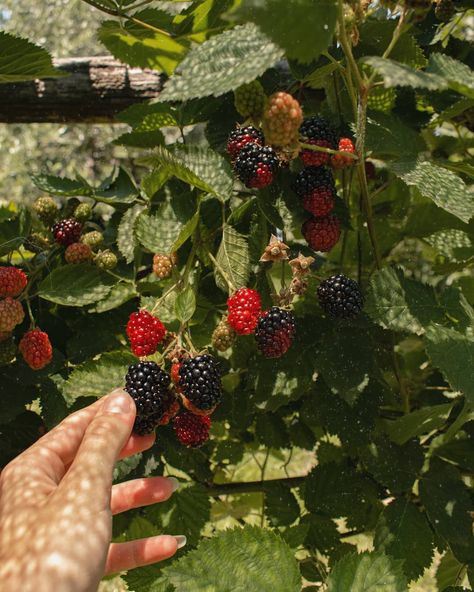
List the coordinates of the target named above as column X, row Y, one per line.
column 363, row 431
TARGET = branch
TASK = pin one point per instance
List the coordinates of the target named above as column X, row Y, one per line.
column 253, row 486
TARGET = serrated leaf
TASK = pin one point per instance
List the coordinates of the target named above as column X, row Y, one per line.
column 186, row 232
column 221, row 64
column 76, row 285
column 119, row 189
column 388, row 137
column 126, row 240
column 158, row 232
column 270, row 431
column 228, row 562
column 22, row 60
column 367, row 572
column 281, row 506
column 185, row 305
column 96, row 378
column 397, row 74
column 454, row 244
column 141, row 139
column 118, row 295
column 459, row 76
column 61, row 186
column 303, row 32
column 421, row 421
column 448, row 572
column 233, row 258
column 446, row 189
column 453, row 354
column 201, row 167
column 141, row 46
column 448, row 503
column 318, row 78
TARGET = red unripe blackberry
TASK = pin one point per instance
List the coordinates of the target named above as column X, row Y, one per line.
column 145, row 332
column 200, row 381
column 281, row 119
column 78, row 253
column 322, row 234
column 11, row 314
column 242, row 320
column 315, row 185
column 36, row 349
column 275, row 332
column 317, row 131
column 245, row 298
column 148, row 385
column 67, row 231
column 241, row 137
column 255, row 165
column 170, row 413
column 339, row 161
column 12, row 281
column 340, row 297
column 192, row 430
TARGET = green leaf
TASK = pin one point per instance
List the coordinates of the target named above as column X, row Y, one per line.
column 459, row 76
column 318, row 78
column 281, row 506
column 388, row 137
column 303, row 32
column 158, row 232
column 186, row 232
column 222, row 64
column 233, row 258
column 140, row 46
column 76, row 285
column 270, row 431
column 61, row 186
column 404, row 533
column 421, row 421
column 22, row 60
column 229, row 561
column 397, row 74
column 446, row 189
column 447, row 501
column 448, row 572
column 201, row 167
column 126, row 240
column 185, row 305
column 453, row 354
column 454, row 244
column 118, row 189
column 96, row 378
column 118, row 295
column 367, row 572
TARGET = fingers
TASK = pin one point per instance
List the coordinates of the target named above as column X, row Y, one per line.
column 89, row 478
column 141, row 492
column 137, row 444
column 125, row 556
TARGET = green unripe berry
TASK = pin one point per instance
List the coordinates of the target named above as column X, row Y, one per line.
column 249, row 99
column 46, row 210
column 382, row 99
column 83, row 212
column 106, row 260
column 93, row 239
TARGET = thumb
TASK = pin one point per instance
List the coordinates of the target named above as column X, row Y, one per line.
column 91, row 470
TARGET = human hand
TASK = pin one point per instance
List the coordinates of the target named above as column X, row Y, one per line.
column 57, row 502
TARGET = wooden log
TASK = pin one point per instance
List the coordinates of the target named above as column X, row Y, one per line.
column 95, row 90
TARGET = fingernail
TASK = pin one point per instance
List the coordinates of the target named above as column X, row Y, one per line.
column 118, row 402
column 175, row 484
column 181, row 540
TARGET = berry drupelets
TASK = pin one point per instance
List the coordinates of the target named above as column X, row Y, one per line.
column 36, row 349
column 317, row 131
column 78, row 253
column 339, row 161
column 223, row 336
column 340, row 297
column 192, row 430
column 200, row 383
column 241, row 137
column 315, row 185
column 255, row 165
column 281, row 120
column 244, row 308
column 275, row 332
column 67, row 231
column 11, row 314
column 249, row 99
column 148, row 385
column 12, row 281
column 322, row 234
column 145, row 332
column 163, row 265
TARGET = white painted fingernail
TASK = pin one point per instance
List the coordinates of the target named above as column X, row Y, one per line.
column 175, row 484
column 181, row 540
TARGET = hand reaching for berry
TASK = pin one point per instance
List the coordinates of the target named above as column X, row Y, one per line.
column 57, row 502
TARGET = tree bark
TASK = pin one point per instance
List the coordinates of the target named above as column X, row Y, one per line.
column 95, row 90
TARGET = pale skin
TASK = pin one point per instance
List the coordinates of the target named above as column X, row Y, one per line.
column 57, row 501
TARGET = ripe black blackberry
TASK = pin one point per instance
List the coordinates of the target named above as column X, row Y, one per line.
column 445, row 10
column 316, row 187
column 340, row 297
column 275, row 332
column 255, row 165
column 148, row 385
column 316, row 130
column 200, row 382
column 67, row 231
column 242, row 136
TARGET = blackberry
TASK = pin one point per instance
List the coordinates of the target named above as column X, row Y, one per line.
column 322, row 234
column 223, row 336
column 339, row 161
column 249, row 99
column 255, row 165
column 106, row 260
column 241, row 137
column 46, row 209
column 93, row 239
column 316, row 130
column 315, row 185
column 67, row 231
column 340, row 297
column 148, row 385
column 275, row 332
column 281, row 119
column 445, row 10
column 192, row 430
column 78, row 253
column 83, row 212
column 200, row 382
